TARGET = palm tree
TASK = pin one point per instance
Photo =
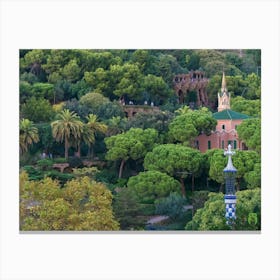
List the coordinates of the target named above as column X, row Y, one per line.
column 115, row 126
column 68, row 127
column 28, row 134
column 88, row 137
column 76, row 142
column 93, row 126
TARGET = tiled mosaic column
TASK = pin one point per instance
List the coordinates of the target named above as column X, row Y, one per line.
column 230, row 197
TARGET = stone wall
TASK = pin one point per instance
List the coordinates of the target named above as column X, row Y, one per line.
column 193, row 81
column 131, row 110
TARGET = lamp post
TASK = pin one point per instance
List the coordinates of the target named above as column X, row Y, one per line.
column 230, row 197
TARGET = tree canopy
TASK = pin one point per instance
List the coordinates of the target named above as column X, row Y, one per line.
column 191, row 123
column 152, row 185
column 81, row 205
column 249, row 107
column 37, row 110
column 175, row 160
column 134, row 144
column 66, row 128
column 250, row 132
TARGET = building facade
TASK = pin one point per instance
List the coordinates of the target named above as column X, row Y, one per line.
column 227, row 122
column 193, row 81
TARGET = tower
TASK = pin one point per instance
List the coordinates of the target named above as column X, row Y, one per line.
column 223, row 96
column 230, row 197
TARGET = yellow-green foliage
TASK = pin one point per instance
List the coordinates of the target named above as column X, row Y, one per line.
column 81, row 204
column 58, row 107
column 85, row 171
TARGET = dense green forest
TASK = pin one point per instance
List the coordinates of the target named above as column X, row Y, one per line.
column 85, row 165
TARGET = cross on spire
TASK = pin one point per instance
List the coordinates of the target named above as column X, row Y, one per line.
column 229, row 153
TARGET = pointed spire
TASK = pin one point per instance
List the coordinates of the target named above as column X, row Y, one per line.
column 223, row 96
column 224, row 84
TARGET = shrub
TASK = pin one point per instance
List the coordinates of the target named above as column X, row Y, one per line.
column 75, row 162
column 198, row 199
column 121, row 182
column 33, row 173
column 59, row 160
column 107, row 176
column 147, row 209
column 172, row 206
column 179, row 224
column 45, row 164
column 61, row 177
column 127, row 209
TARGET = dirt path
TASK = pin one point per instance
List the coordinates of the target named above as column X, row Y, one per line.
column 157, row 219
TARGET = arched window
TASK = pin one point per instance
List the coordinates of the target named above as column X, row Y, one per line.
column 234, row 144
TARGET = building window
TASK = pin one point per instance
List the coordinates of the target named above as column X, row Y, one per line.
column 223, row 144
column 209, row 144
column 197, row 144
column 234, row 144
column 223, row 126
column 229, row 142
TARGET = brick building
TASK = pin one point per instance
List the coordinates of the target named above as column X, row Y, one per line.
column 227, row 122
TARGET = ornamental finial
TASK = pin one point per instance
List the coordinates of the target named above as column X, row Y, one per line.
column 229, row 153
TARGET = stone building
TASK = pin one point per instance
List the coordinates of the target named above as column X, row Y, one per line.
column 227, row 122
column 193, row 81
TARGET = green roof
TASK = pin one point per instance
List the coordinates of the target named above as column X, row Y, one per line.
column 229, row 115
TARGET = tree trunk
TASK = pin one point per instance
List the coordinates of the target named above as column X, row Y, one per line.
column 221, row 187
column 91, row 151
column 88, row 152
column 238, row 185
column 183, row 187
column 192, row 183
column 66, row 148
column 121, row 168
column 79, row 150
column 193, row 145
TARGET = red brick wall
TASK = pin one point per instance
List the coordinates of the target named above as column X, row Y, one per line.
column 228, row 133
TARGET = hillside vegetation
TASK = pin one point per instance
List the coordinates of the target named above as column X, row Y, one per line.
column 86, row 166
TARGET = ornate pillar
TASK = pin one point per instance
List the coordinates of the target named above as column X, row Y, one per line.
column 230, row 197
